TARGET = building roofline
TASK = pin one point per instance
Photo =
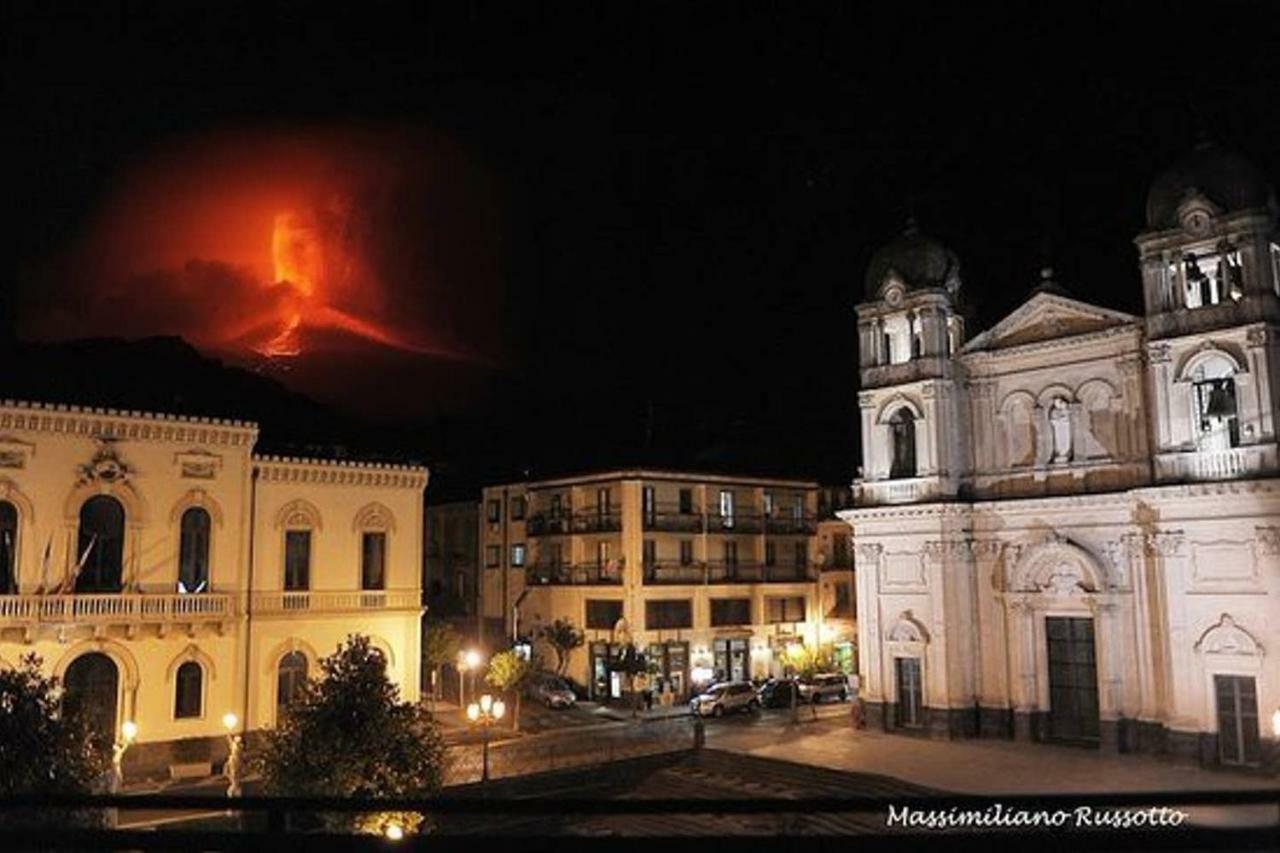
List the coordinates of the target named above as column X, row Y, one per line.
column 653, row 474
column 130, row 414
column 354, row 464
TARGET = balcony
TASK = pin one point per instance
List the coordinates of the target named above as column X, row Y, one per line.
column 589, row 574
column 738, row 522
column 791, row 525
column 671, row 519
column 585, row 521
column 721, row 572
column 900, row 491
column 335, row 601
column 1227, row 464
column 128, row 609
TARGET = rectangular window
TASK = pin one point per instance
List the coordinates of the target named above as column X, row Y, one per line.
column 603, row 614
column 730, row 611
column 726, row 508
column 731, row 553
column 666, row 615
column 770, row 554
column 650, row 553
column 297, row 560
column 602, row 554
column 686, row 501
column 797, row 509
column 495, row 511
column 517, row 508
column 686, row 552
column 492, row 556
column 517, row 555
column 910, row 707
column 1238, row 734
column 650, row 505
column 768, row 504
column 784, row 609
column 801, row 554
column 602, row 502
column 555, row 554
column 840, row 550
column 557, row 508
column 844, row 601
column 373, row 560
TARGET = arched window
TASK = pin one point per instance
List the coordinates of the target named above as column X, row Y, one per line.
column 1217, row 424
column 92, row 686
column 189, row 695
column 8, row 548
column 902, row 431
column 193, row 551
column 290, row 676
column 101, row 545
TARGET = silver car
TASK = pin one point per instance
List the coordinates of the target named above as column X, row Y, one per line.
column 820, row 688
column 719, row 699
column 552, row 691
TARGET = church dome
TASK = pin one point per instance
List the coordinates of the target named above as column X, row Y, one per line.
column 918, row 261
column 1223, row 177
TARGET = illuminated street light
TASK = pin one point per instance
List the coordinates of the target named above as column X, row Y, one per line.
column 231, row 769
column 468, row 661
column 394, row 832
column 485, row 713
column 128, row 732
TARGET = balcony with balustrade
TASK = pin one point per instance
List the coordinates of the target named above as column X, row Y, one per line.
column 128, row 610
column 1232, row 463
column 588, row 520
column 791, row 525
column 739, row 521
column 311, row 602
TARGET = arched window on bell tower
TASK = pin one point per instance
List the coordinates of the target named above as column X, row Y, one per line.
column 902, row 434
column 1216, row 418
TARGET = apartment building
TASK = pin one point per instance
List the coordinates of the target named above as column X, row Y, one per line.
column 710, row 576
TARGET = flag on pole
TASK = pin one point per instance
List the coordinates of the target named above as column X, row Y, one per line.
column 84, row 558
column 44, row 567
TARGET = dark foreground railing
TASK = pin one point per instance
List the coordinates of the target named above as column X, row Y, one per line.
column 265, row 821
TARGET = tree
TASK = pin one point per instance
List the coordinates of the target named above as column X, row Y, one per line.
column 347, row 734
column 46, row 745
column 563, row 637
column 510, row 673
column 440, row 645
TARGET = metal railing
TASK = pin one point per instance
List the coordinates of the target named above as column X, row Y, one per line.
column 116, row 608
column 791, row 525
column 725, row 572
column 739, row 522
column 580, row 574
column 671, row 519
column 258, row 822
column 336, row 601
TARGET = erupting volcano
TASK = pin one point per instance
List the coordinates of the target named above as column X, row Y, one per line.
column 345, row 260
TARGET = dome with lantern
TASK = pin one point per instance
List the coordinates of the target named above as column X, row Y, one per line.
column 1227, row 180
column 916, row 261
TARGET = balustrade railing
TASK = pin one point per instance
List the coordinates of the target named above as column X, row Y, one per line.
column 294, row 601
column 97, row 608
column 722, row 572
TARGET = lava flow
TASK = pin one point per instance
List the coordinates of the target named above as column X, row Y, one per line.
column 302, row 269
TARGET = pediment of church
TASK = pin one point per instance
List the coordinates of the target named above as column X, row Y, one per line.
column 1046, row 317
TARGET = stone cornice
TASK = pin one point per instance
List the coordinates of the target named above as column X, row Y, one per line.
column 95, row 422
column 292, row 469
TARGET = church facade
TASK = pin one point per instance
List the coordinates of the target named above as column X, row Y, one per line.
column 171, row 577
column 1068, row 526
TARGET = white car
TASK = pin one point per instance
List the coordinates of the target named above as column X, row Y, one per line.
column 719, row 699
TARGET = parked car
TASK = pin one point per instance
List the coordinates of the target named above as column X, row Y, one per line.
column 776, row 693
column 820, row 688
column 719, row 699
column 551, row 690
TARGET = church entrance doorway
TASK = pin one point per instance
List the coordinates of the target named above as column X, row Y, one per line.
column 1073, row 679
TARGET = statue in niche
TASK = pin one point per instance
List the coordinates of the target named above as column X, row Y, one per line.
column 1060, row 430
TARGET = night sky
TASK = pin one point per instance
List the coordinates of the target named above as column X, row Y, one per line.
column 584, row 237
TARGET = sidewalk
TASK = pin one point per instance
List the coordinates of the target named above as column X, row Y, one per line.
column 621, row 713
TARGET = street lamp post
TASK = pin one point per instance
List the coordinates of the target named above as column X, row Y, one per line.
column 468, row 661
column 484, row 714
column 235, row 741
column 128, row 731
